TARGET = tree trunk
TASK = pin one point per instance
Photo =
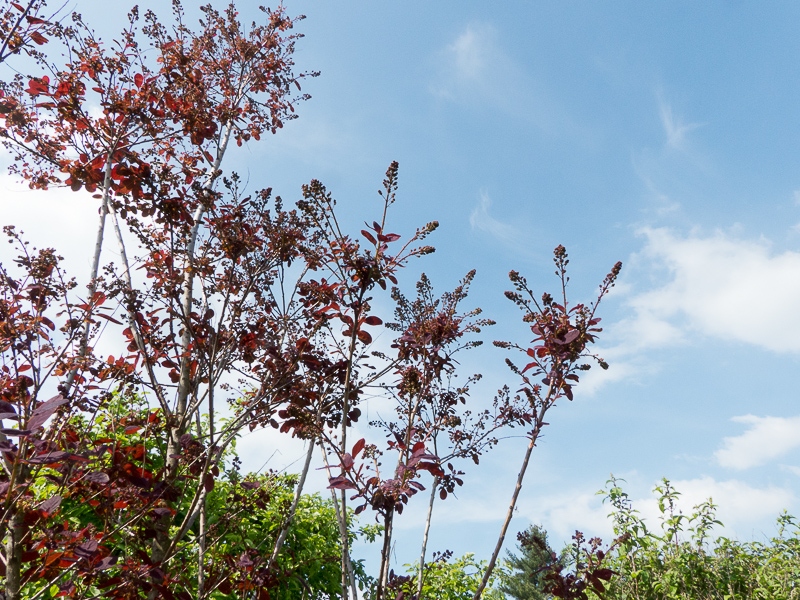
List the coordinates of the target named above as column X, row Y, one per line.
column 420, row 573
column 289, row 517
column 13, row 555
column 545, row 404
column 92, row 287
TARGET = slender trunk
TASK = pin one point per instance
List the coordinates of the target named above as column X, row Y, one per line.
column 98, row 247
column 539, row 422
column 504, row 529
column 383, row 575
column 13, row 556
column 123, row 254
column 420, row 574
column 347, row 567
column 341, row 515
column 201, row 548
column 289, row 517
column 387, row 533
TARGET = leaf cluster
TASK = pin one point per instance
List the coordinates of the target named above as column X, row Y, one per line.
column 682, row 562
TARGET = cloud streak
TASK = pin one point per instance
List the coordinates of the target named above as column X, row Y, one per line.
column 481, row 220
column 476, row 71
column 674, row 127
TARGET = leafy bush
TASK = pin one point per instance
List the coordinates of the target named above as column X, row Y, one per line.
column 681, row 563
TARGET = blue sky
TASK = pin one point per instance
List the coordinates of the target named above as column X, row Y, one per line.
column 664, row 135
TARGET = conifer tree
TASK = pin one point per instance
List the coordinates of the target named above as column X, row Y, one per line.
column 526, row 578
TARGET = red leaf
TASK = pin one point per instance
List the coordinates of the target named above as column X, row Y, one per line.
column 36, row 87
column 51, row 505
column 112, row 319
column 372, row 320
column 138, row 80
column 45, row 411
column 347, row 462
column 132, row 429
column 571, row 336
column 365, row 337
column 341, row 483
column 359, row 446
column 368, row 235
column 38, row 37
column 121, row 504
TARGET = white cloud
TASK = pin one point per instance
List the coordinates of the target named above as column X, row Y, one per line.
column 674, row 127
column 740, row 507
column 719, row 286
column 58, row 218
column 472, row 50
column 565, row 512
column 715, row 285
column 739, row 504
column 766, row 439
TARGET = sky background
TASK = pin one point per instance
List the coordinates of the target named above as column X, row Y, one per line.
column 664, row 135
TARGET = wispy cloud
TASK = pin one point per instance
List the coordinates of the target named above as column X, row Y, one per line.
column 472, row 51
column 475, row 70
column 766, row 439
column 739, row 506
column 465, row 62
column 481, row 220
column 674, row 127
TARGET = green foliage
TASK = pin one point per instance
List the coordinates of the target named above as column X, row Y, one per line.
column 524, row 579
column 450, row 580
column 679, row 563
column 243, row 515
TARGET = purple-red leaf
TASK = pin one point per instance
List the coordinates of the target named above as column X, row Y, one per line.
column 347, row 461
column 51, row 504
column 341, row 483
column 359, row 446
column 45, row 411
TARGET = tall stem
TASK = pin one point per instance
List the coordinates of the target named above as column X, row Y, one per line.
column 13, row 555
column 425, row 537
column 289, row 517
column 383, row 575
column 98, row 247
column 347, row 567
column 201, row 547
column 546, row 403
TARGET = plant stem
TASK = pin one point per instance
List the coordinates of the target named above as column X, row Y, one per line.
column 425, row 537
column 545, row 404
column 289, row 517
